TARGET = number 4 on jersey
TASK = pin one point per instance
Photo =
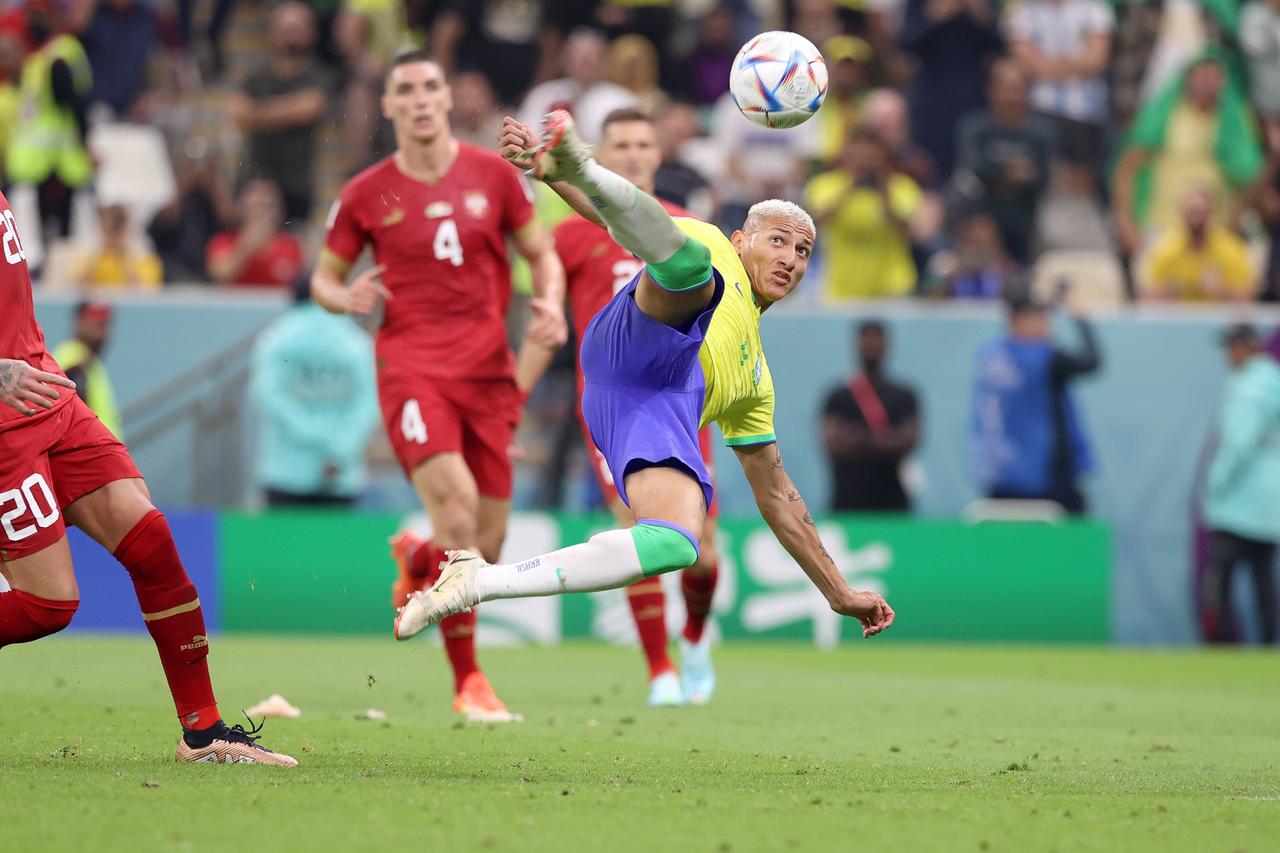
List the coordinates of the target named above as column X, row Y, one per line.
column 447, row 246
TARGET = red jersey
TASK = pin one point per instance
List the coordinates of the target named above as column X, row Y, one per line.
column 595, row 267
column 445, row 249
column 278, row 264
column 20, row 335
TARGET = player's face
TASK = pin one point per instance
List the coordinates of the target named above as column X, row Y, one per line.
column 775, row 254
column 417, row 101
column 630, row 148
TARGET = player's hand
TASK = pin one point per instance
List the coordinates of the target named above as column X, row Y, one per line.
column 869, row 608
column 517, row 143
column 22, row 386
column 548, row 328
column 363, row 293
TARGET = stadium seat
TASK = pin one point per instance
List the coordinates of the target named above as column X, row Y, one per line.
column 133, row 168
column 1096, row 276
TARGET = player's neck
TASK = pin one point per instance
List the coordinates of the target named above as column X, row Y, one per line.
column 427, row 161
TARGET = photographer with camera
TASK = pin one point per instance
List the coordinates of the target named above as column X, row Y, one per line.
column 868, row 214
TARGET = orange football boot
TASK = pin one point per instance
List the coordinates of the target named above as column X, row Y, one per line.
column 477, row 700
column 403, row 544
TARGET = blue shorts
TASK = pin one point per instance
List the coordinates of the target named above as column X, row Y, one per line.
column 644, row 389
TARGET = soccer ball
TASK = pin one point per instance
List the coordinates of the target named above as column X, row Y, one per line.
column 778, row 79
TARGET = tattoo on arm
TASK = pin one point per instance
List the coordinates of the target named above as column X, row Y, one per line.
column 777, row 460
column 808, row 519
column 792, row 495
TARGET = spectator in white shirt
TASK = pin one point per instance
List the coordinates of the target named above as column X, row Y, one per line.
column 1065, row 46
column 583, row 90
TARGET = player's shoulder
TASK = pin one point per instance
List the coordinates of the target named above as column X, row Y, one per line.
column 373, row 177
column 704, row 232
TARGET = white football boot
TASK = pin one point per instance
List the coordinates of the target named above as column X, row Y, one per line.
column 697, row 676
column 665, row 691
column 454, row 592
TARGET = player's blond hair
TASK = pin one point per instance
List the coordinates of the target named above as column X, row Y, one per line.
column 776, row 208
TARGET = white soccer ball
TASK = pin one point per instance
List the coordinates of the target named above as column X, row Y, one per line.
column 778, row 79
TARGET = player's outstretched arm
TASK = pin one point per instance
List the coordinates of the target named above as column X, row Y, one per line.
column 26, row 389
column 787, row 516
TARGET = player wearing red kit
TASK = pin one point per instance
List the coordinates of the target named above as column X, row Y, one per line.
column 438, row 213
column 595, row 269
column 59, row 465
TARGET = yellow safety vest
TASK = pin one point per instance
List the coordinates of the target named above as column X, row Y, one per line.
column 102, row 399
column 47, row 140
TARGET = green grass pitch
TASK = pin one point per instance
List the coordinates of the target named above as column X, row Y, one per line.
column 874, row 746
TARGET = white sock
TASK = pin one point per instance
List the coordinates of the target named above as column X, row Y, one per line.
column 605, row 561
column 636, row 220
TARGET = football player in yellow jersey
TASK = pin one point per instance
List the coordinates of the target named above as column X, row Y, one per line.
column 676, row 348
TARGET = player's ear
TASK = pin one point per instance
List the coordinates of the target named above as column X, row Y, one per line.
column 448, row 98
column 738, row 239
column 385, row 101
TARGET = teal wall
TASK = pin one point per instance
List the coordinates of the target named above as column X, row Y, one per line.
column 1148, row 411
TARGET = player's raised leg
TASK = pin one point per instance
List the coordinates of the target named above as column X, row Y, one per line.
column 663, row 540
column 674, row 286
column 121, row 518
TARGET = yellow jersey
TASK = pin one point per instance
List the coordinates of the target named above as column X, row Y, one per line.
column 739, row 395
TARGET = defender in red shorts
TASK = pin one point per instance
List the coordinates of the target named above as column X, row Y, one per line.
column 438, row 213
column 595, row 269
column 59, row 464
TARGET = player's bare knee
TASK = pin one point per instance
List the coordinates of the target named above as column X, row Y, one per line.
column 110, row 513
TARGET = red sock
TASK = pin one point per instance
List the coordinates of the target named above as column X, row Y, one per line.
column 698, row 591
column 459, row 630
column 424, row 561
column 649, row 607
column 25, row 617
column 171, row 609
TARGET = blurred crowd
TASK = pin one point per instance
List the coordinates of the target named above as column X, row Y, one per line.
column 1133, row 147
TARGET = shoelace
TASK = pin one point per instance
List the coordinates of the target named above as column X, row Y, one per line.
column 249, row 737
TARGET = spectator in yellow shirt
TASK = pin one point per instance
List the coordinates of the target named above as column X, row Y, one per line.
column 119, row 261
column 1198, row 260
column 865, row 212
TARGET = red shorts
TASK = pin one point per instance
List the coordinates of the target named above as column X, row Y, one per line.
column 604, row 477
column 48, row 465
column 477, row 418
